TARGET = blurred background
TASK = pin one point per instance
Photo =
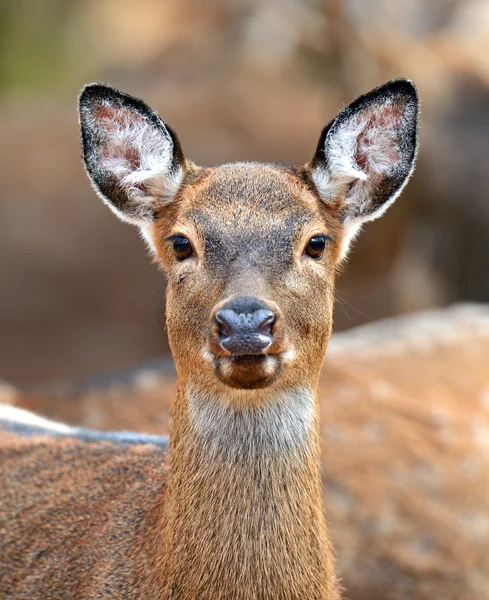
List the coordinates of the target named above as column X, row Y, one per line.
column 247, row 79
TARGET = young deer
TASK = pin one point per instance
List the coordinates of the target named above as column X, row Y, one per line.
column 250, row 252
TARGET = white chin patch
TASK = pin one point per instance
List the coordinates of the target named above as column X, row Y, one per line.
column 231, row 430
column 288, row 356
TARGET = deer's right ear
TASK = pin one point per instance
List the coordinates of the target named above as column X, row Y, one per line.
column 133, row 159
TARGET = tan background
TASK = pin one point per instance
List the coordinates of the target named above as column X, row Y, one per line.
column 237, row 80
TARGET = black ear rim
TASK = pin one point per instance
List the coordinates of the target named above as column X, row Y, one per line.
column 395, row 88
column 94, row 93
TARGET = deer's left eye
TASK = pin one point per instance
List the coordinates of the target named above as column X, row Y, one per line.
column 182, row 247
column 315, row 246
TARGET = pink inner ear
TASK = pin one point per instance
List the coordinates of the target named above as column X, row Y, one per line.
column 117, row 124
column 377, row 144
column 104, row 112
column 112, row 118
column 128, row 153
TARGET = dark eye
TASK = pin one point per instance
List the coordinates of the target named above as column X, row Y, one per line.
column 182, row 247
column 315, row 246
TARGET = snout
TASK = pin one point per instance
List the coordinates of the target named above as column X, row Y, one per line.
column 246, row 338
column 246, row 326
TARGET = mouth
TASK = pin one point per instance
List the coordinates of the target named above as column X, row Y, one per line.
column 248, row 371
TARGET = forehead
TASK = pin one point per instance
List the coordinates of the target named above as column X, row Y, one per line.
column 242, row 198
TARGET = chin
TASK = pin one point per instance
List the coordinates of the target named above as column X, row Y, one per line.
column 249, row 372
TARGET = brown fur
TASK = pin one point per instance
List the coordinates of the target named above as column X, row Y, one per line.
column 83, row 523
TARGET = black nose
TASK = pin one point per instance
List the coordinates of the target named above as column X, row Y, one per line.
column 245, row 326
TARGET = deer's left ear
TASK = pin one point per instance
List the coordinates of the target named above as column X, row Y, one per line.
column 367, row 153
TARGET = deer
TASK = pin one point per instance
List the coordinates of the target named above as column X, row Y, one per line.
column 233, row 508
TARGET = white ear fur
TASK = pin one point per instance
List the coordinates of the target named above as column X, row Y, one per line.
column 147, row 236
column 377, row 147
column 350, row 233
column 131, row 156
column 366, row 155
column 137, row 153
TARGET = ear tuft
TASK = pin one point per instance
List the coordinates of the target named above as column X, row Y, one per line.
column 133, row 159
column 367, row 153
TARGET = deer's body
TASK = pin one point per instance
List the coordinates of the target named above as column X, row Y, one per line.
column 250, row 252
column 80, row 498
column 105, row 507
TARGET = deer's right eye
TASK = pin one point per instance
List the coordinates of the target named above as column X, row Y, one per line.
column 315, row 246
column 182, row 247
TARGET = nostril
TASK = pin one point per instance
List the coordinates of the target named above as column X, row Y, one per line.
column 224, row 320
column 265, row 322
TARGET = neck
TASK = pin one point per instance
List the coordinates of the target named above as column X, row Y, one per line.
column 243, row 514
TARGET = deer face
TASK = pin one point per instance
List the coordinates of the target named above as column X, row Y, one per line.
column 250, row 250
column 250, row 255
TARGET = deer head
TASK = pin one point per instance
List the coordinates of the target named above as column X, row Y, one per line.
column 250, row 250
